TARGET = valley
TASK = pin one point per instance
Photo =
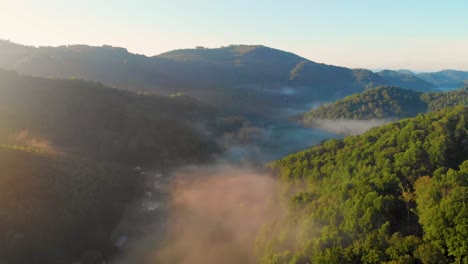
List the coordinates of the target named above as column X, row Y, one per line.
column 239, row 154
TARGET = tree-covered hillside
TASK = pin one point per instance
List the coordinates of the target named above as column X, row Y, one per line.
column 386, row 103
column 446, row 99
column 448, row 79
column 396, row 194
column 67, row 153
column 57, row 209
column 406, row 80
column 88, row 119
column 189, row 70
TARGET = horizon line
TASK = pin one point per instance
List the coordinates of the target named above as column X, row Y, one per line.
column 373, row 69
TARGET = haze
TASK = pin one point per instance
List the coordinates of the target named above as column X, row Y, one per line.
column 419, row 35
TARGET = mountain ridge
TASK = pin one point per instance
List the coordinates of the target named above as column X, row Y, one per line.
column 200, row 72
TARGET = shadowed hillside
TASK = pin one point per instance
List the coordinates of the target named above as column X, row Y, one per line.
column 256, row 77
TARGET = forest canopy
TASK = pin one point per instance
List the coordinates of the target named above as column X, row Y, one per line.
column 386, row 103
column 395, row 194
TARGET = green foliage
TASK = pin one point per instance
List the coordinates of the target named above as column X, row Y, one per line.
column 368, row 199
column 387, row 102
column 107, row 124
column 443, row 210
column 440, row 100
column 67, row 149
column 381, row 102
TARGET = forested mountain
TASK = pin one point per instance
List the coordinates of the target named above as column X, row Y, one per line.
column 236, row 65
column 405, row 71
column 68, row 149
column 386, row 103
column 258, row 77
column 447, row 79
column 91, row 120
column 406, row 80
column 396, row 194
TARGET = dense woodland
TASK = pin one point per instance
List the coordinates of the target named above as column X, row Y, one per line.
column 68, row 151
column 57, row 209
column 93, row 121
column 396, row 194
column 387, row 103
column 69, row 148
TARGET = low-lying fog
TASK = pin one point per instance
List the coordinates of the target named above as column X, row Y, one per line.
column 211, row 214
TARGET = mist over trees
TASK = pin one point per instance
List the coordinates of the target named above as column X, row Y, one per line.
column 396, row 194
column 68, row 149
column 72, row 153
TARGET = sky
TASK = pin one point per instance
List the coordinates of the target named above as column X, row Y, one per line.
column 412, row 34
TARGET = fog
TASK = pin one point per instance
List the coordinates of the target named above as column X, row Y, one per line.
column 258, row 145
column 348, row 126
column 213, row 216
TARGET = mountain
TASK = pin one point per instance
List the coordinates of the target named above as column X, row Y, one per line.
column 405, row 71
column 256, row 78
column 405, row 80
column 446, row 79
column 68, row 153
column 386, row 103
column 439, row 100
column 395, row 194
column 91, row 120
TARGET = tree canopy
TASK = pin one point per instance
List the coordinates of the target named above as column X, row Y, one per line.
column 395, row 194
column 386, row 103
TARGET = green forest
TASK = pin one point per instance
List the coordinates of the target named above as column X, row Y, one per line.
column 90, row 120
column 73, row 155
column 68, row 149
column 395, row 194
column 387, row 103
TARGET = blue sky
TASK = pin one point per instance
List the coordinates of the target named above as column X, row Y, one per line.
column 420, row 35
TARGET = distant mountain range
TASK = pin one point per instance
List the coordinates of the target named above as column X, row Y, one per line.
column 257, row 79
column 446, row 78
column 440, row 80
column 407, row 80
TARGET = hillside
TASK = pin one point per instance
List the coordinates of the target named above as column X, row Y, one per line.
column 386, row 103
column 406, row 80
column 406, row 71
column 56, row 209
column 396, row 194
column 254, row 76
column 68, row 149
column 446, row 79
column 90, row 120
